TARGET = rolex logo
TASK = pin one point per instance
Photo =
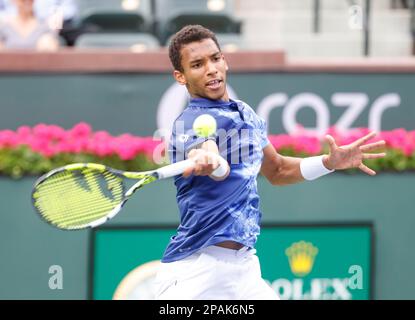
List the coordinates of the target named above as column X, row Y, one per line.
column 301, row 257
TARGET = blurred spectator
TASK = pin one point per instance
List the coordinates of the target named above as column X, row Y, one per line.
column 44, row 9
column 61, row 15
column 23, row 30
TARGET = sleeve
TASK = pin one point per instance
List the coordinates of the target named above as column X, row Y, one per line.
column 263, row 132
column 260, row 125
column 183, row 137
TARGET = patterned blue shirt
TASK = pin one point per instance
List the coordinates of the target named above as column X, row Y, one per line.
column 215, row 211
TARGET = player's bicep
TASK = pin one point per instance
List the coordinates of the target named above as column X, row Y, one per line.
column 271, row 163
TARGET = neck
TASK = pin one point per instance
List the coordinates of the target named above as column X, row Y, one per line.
column 225, row 97
column 25, row 15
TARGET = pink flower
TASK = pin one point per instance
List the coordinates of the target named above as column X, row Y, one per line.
column 8, row 138
column 408, row 149
column 24, row 131
column 50, row 140
column 38, row 144
column 81, row 129
column 281, row 141
column 149, row 145
column 126, row 152
column 41, row 130
column 47, row 152
column 57, row 132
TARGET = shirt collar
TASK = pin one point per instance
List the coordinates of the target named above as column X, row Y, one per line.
column 208, row 103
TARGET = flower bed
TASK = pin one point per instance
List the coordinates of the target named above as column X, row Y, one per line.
column 33, row 151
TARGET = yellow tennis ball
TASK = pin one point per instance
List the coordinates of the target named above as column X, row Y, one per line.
column 204, row 125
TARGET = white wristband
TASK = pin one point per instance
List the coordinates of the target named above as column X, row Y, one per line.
column 222, row 170
column 223, row 167
column 313, row 168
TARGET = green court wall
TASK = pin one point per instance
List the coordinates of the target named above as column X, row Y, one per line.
column 131, row 103
column 29, row 247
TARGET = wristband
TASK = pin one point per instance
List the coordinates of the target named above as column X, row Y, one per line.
column 313, row 168
column 220, row 171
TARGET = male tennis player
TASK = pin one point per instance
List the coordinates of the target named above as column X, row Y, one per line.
column 212, row 256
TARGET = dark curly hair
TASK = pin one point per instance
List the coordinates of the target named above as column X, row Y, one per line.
column 186, row 35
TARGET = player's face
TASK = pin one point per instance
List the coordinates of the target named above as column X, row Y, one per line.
column 204, row 70
column 24, row 5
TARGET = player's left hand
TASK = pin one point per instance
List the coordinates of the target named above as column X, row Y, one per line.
column 352, row 155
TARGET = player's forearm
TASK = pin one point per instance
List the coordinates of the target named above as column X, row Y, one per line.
column 288, row 171
column 293, row 170
column 282, row 170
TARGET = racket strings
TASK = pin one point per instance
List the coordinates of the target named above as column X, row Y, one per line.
column 69, row 212
column 62, row 190
column 71, row 199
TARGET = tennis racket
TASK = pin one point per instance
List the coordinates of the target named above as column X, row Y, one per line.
column 86, row 195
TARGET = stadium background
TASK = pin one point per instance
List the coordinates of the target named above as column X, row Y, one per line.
column 298, row 56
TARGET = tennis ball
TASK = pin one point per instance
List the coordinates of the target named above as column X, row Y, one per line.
column 204, row 125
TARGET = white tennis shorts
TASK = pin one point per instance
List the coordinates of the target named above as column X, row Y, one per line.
column 214, row 273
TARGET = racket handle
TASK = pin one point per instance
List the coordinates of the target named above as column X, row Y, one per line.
column 174, row 169
column 179, row 167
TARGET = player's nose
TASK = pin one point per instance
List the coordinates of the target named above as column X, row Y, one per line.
column 211, row 68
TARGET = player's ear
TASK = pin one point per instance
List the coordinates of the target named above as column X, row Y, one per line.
column 179, row 77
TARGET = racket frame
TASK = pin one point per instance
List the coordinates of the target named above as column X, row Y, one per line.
column 143, row 177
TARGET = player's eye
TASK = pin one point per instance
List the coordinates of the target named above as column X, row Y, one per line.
column 196, row 65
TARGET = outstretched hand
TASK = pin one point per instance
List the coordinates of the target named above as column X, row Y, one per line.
column 352, row 155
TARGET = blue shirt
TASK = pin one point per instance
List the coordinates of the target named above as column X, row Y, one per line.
column 215, row 211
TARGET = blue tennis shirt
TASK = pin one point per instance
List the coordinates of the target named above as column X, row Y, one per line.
column 215, row 211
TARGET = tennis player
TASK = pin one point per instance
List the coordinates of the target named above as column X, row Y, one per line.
column 212, row 256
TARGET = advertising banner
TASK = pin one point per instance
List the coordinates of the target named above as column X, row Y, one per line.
column 145, row 104
column 300, row 262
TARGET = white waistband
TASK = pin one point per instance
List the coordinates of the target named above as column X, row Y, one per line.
column 228, row 254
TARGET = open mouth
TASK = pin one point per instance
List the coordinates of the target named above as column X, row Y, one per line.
column 214, row 84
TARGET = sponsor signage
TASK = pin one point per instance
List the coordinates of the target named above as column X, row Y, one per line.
column 300, row 262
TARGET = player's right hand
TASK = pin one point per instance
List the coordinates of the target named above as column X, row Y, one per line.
column 205, row 162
